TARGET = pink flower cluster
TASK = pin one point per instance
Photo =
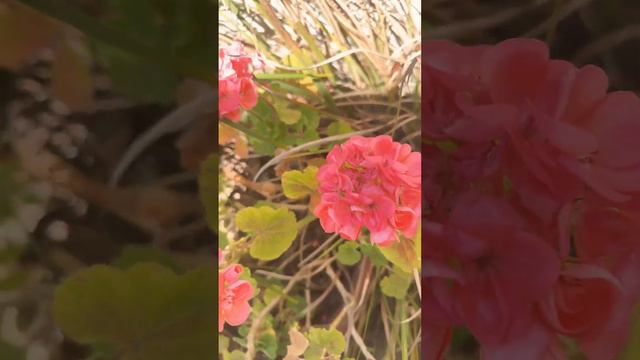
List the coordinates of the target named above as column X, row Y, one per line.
column 373, row 183
column 235, row 83
column 532, row 207
column 233, row 296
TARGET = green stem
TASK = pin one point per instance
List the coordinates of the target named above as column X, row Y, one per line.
column 286, row 76
column 404, row 330
column 62, row 11
column 306, row 221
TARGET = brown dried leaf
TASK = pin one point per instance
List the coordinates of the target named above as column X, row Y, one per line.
column 72, row 80
column 299, row 344
column 226, row 134
column 196, row 143
column 154, row 209
column 314, row 201
column 242, row 148
column 317, row 162
column 23, row 32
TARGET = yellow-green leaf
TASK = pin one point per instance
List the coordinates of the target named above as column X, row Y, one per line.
column 632, row 349
column 322, row 342
column 339, row 127
column 287, row 115
column 396, row 284
column 146, row 311
column 272, row 230
column 406, row 253
column 298, row 184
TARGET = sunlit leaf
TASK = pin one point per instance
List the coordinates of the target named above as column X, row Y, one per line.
column 322, row 342
column 339, row 127
column 298, row 184
column 406, row 253
column 135, row 254
column 272, row 230
column 396, row 284
column 147, row 311
column 286, row 114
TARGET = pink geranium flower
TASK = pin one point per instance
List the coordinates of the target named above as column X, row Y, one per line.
column 372, row 183
column 236, row 87
column 233, row 297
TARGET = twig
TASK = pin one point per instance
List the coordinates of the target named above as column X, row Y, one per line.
column 556, row 18
column 463, row 28
column 607, row 42
column 174, row 121
column 255, row 326
column 349, row 304
column 311, row 144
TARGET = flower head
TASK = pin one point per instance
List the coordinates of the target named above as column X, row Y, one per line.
column 373, row 183
column 235, row 83
column 233, row 297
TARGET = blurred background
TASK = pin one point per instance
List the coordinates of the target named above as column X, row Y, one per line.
column 601, row 32
column 107, row 111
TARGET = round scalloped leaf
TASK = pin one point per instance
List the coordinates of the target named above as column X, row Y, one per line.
column 146, row 311
column 322, row 342
column 298, row 184
column 348, row 253
column 272, row 231
column 396, row 284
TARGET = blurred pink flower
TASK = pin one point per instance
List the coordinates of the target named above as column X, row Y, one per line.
column 532, row 171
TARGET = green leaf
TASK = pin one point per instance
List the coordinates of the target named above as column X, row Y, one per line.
column 135, row 254
column 223, row 344
column 147, row 311
column 208, row 190
column 632, row 348
column 101, row 351
column 11, row 254
column 285, row 113
column 234, row 355
column 268, row 344
column 348, row 253
column 14, row 280
column 339, row 127
column 396, row 284
column 246, row 275
column 298, row 184
column 322, row 342
column 374, row 254
column 272, row 230
column 139, row 80
column 406, row 253
column 10, row 352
